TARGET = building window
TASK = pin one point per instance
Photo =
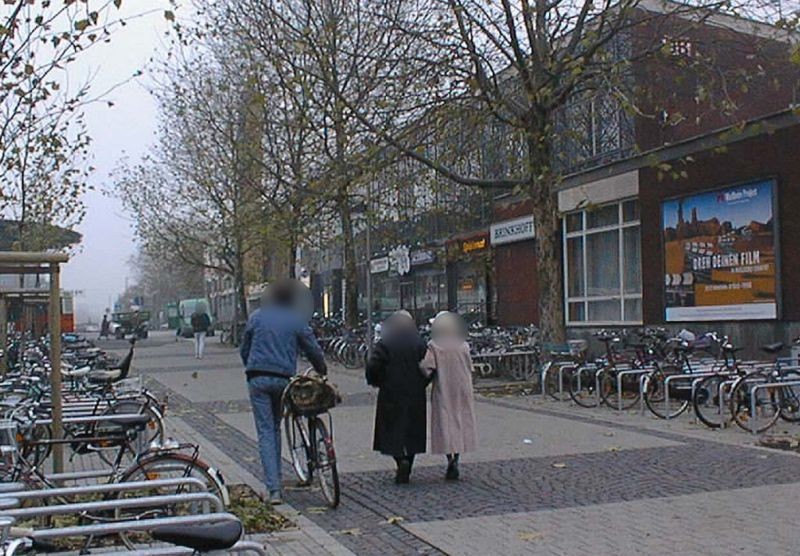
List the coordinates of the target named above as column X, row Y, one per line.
column 602, row 265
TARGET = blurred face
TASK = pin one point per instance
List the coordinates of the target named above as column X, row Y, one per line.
column 448, row 326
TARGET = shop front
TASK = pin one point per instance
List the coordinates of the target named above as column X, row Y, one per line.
column 515, row 272
column 469, row 277
column 413, row 280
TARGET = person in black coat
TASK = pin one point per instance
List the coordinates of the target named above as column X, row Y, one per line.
column 400, row 416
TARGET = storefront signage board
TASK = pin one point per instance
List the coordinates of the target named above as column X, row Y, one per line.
column 422, row 257
column 512, row 231
column 376, row 266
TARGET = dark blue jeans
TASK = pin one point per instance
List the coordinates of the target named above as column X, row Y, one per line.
column 265, row 398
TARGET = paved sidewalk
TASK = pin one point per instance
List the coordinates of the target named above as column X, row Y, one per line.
column 548, row 478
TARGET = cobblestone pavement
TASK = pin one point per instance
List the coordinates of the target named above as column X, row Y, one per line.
column 549, row 478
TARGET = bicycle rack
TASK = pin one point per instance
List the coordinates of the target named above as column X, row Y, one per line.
column 104, row 488
column 765, row 386
column 123, row 503
column 630, row 372
column 694, row 376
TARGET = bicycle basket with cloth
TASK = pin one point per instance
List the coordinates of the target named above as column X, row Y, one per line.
column 309, row 395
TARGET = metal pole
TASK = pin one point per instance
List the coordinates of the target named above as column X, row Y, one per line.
column 3, row 335
column 369, row 274
column 55, row 365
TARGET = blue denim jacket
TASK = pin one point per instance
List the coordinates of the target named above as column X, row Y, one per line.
column 272, row 340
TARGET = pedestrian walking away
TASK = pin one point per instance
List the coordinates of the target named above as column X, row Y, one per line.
column 449, row 365
column 274, row 335
column 201, row 322
column 105, row 327
column 400, row 415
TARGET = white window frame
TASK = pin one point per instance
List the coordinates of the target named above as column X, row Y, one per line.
column 583, row 233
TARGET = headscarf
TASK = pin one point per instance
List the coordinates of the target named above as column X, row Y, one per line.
column 448, row 326
column 399, row 322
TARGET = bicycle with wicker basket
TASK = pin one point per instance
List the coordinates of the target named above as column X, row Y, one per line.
column 309, row 432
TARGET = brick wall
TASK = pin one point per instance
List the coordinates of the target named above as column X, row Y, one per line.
column 769, row 155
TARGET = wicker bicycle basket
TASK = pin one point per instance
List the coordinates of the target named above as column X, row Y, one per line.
column 311, row 395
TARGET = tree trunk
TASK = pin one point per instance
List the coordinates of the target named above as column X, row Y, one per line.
column 350, row 268
column 241, row 294
column 293, row 256
column 552, row 327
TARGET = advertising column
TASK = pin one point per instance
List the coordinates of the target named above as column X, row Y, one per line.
column 720, row 254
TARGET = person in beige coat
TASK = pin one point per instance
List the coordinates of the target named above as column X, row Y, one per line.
column 448, row 363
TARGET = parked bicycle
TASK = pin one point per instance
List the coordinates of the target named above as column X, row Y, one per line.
column 309, row 432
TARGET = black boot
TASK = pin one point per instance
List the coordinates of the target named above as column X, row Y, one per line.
column 452, row 473
column 403, row 471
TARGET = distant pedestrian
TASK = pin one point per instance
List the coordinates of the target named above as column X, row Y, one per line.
column 105, row 327
column 274, row 335
column 400, row 416
column 201, row 322
column 448, row 363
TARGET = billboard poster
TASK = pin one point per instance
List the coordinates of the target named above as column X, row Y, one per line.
column 720, row 254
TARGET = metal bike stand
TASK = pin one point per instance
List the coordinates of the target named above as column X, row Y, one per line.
column 241, row 546
column 109, row 487
column 561, row 369
column 722, row 386
column 115, row 527
column 765, row 386
column 123, row 503
column 597, row 374
column 643, row 383
column 682, row 376
column 628, row 373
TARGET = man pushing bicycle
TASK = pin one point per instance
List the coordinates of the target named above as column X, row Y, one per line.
column 273, row 338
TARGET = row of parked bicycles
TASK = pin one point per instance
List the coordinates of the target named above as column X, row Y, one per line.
column 670, row 375
column 125, row 484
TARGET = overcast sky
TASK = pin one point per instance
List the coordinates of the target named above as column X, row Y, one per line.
column 100, row 269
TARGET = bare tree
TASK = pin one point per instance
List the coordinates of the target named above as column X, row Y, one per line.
column 193, row 197
column 43, row 141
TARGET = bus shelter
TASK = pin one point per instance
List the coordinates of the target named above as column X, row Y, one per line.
column 39, row 264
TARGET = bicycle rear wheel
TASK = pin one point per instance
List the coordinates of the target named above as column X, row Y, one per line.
column 297, row 443
column 582, row 387
column 768, row 402
column 706, row 402
column 609, row 390
column 655, row 394
column 325, row 462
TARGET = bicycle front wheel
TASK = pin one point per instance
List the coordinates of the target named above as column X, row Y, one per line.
column 325, row 462
column 298, row 445
column 170, row 465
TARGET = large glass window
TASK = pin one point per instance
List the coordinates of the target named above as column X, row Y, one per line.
column 602, row 261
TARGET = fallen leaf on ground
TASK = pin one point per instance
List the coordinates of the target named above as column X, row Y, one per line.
column 532, row 536
column 195, row 374
column 352, row 532
column 614, row 449
column 395, row 519
column 559, row 465
column 317, row 510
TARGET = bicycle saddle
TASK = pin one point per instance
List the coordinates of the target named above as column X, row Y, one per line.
column 212, row 536
column 140, row 421
column 104, row 376
column 773, row 348
column 76, row 373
